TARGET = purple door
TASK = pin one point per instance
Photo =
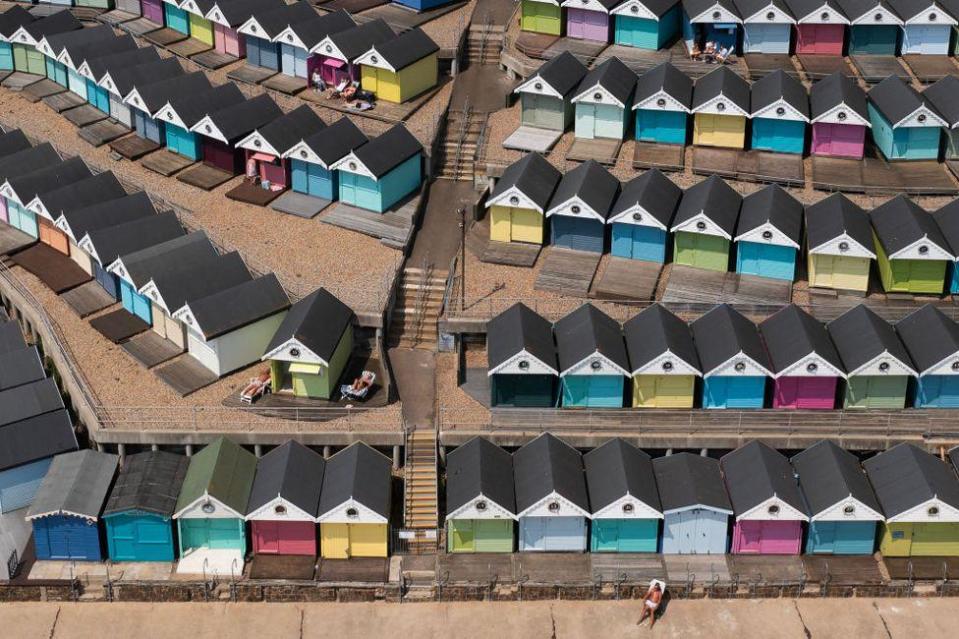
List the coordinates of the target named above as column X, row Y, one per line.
column 587, row 25
column 805, row 393
column 153, row 10
column 220, row 155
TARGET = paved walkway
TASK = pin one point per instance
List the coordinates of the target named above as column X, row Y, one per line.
column 414, row 372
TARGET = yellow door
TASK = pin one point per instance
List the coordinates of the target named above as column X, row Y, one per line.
column 644, row 391
column 935, row 539
column 527, row 226
column 201, row 29
column 499, row 223
column 837, row 271
column 335, row 541
column 728, row 131
column 383, row 83
column 368, row 78
column 367, row 540
column 896, row 540
column 674, row 391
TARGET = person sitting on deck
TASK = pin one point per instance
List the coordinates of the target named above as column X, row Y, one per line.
column 723, row 55
column 696, row 53
column 709, row 53
column 251, row 170
column 651, row 604
column 318, row 84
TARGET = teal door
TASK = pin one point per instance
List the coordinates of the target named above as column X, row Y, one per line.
column 625, row 535
column 20, row 218
column 98, row 96
column 663, row 127
column 57, row 71
column 6, row 56
column 225, row 534
column 642, row 33
column 182, row 142
column 177, row 19
column 360, row 191
column 140, row 537
column 135, row 303
column 77, row 83
column 605, row 536
column 593, row 391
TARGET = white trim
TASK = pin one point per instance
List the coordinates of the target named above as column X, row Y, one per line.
column 923, row 117
column 152, row 291
column 352, row 164
column 575, row 207
column 134, row 99
column 21, row 36
column 589, row 96
column 552, row 2
column 940, row 17
column 491, row 511
column 943, row 366
column 60, row 513
column 522, row 201
column 207, row 127
column 215, row 14
column 584, row 367
column 800, row 368
column 186, row 511
column 692, row 225
column 538, row 86
column 751, row 368
column 541, row 508
column 884, row 15
column 291, row 512
column 284, row 353
column 762, row 16
column 832, row 247
column 721, row 105
column 646, row 219
column 253, row 28
column 816, row 16
column 7, row 191
column 43, row 46
column 512, row 366
column 289, row 37
column 302, row 152
column 250, row 143
column 118, row 268
column 634, row 9
column 770, row 111
column 669, row 103
column 37, row 206
column 320, row 48
column 677, row 366
column 837, row 512
column 717, row 15
column 721, row 511
column 920, row 513
column 87, row 245
column 62, row 224
column 758, row 236
column 374, row 58
column 586, row 5
column 834, row 116
column 894, row 367
column 627, row 507
column 914, row 251
column 168, row 114
column 761, row 512
column 338, row 514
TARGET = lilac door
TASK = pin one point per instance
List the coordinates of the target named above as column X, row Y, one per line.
column 767, row 537
column 153, row 10
column 838, row 140
column 817, row 393
column 3, row 209
column 587, row 25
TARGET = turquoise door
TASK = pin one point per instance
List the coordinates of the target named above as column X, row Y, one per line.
column 873, row 39
column 135, row 303
column 313, row 179
column 625, row 535
column 20, row 218
column 6, row 56
column 77, row 83
column 182, row 142
column 916, row 143
column 175, row 18
column 766, row 260
column 212, row 533
column 98, row 96
column 781, row 136
column 637, row 242
column 637, row 32
column 360, row 191
column 57, row 71
column 663, row 127
column 841, row 537
column 593, row 391
column 722, row 391
column 139, row 537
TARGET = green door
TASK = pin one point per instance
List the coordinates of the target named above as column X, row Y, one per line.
column 873, row 391
column 20, row 57
column 702, row 251
column 35, row 62
column 461, row 538
column 493, row 535
column 543, row 111
column 541, row 17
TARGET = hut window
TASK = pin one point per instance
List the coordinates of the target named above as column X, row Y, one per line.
column 553, row 507
column 824, row 16
column 514, row 200
column 289, row 38
column 280, row 510
column 628, row 508
column 169, row 116
column 481, row 506
column 770, row 15
column 574, row 209
column 524, row 365
column 352, row 166
column 740, row 367
column 922, row 117
column 637, row 217
column 352, row 513
column 538, row 86
column 634, row 9
column 955, row 366
column 767, row 235
column 374, row 59
column 849, row 510
column 208, row 508
column 773, row 510
column 253, row 28
column 596, row 365
column 844, row 246
column 667, row 366
column 812, row 368
column 780, row 111
column 721, row 106
column 884, row 366
column 877, row 17
column 661, row 102
column 716, row 15
column 933, row 511
column 932, row 17
column 923, row 249
column 207, row 128
column 841, row 116
column 329, row 49
column 294, row 352
column 257, row 143
column 701, row 226
column 303, row 154
column 597, row 96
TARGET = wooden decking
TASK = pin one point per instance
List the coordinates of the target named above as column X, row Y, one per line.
column 922, row 567
column 249, row 74
column 189, row 47
column 164, row 37
column 204, row 176
column 817, row 67
column 139, row 26
column 760, row 64
column 751, row 166
column 531, row 138
column 356, row 569
column 876, row 176
column 165, row 162
column 286, row 84
column 251, row 193
column 102, row 132
column 876, row 68
column 393, row 228
column 567, row 272
column 13, row 240
column 929, row 68
column 766, row 568
column 52, row 267
column 511, row 253
column 116, row 17
column 689, row 285
column 635, row 566
column 626, row 279
column 39, row 90
column 299, row 204
column 118, row 326
column 133, row 147
column 283, row 567
column 586, row 50
column 602, row 150
column 213, row 59
column 382, row 110
column 18, row 80
column 651, row 155
column 150, row 349
column 186, row 375
column 839, row 569
column 84, row 115
column 88, row 299
column 62, row 101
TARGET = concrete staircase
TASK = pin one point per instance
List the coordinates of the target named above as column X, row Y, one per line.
column 421, row 507
column 484, row 43
column 418, row 304
column 457, row 154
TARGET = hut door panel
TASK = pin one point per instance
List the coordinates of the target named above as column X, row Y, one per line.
column 565, row 533
column 579, row 234
column 822, row 537
column 53, row 236
column 6, row 56
column 153, row 10
column 605, row 535
column 335, row 541
column 935, row 539
column 780, row 538
column 123, row 536
column 201, row 29
column 176, row 18
column 748, row 537
column 463, row 537
column 541, row 17
column 493, row 535
column 368, row 540
column 533, row 533
column 526, row 225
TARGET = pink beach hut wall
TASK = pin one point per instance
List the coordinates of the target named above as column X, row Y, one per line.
column 839, row 117
column 334, row 54
column 589, row 19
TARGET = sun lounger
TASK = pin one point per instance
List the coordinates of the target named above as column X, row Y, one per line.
column 348, row 392
column 257, row 388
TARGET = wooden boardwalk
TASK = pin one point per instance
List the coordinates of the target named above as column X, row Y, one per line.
column 282, row 566
column 166, row 162
column 585, row 50
column 299, row 204
column 875, row 176
column 133, row 147
column 204, row 176
column 640, row 60
column 213, row 59
column 62, row 101
column 251, row 193
column 639, row 567
column 356, row 569
column 382, row 110
column 102, row 132
column 186, row 375
column 761, row 64
column 817, row 67
column 751, row 166
column 13, row 240
column 189, row 47
column 164, row 37
column 88, row 299
column 876, row 68
column 118, row 326
column 402, row 19
column 690, row 285
column 839, row 569
column 18, row 80
column 286, row 84
column 652, row 155
column 42, row 89
column 84, row 115
column 602, row 150
column 139, row 27
column 249, row 74
column 626, row 279
column 766, row 568
column 511, row 253
column 567, row 272
column 922, row 567
column 150, row 349
column 52, row 267
column 702, row 568
column 393, row 228
column 116, row 17
column 532, row 138
column 929, row 68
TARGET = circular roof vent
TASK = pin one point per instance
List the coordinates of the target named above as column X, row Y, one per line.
column 770, row 15
column 538, row 86
column 824, row 16
column 773, row 510
column 877, row 17
column 767, row 235
column 294, row 352
column 720, row 106
column 597, row 96
column 352, row 513
column 481, row 506
column 923, row 249
column 812, row 368
column 667, row 366
column 638, row 217
column 574, row 210
column 844, row 246
column 740, row 367
column 513, row 200
column 921, row 117
column 701, row 225
column 374, row 59
column 841, row 116
column 780, row 111
column 523, row 365
column 303, row 153
column 716, row 15
column 596, row 365
column 661, row 102
column 634, row 9
column 884, row 366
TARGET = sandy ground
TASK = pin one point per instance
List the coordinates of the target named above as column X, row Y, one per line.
column 769, row 619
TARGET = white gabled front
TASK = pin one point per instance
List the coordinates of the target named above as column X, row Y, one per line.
column 770, row 14
column 351, row 512
column 878, row 15
column 480, row 507
column 522, row 363
column 627, row 507
column 921, row 118
column 701, row 224
column 257, row 143
column 824, row 15
column 667, row 363
column 208, row 127
column 812, row 365
column 279, row 509
column 721, row 105
column 661, row 101
column 780, row 110
column 637, row 216
column 843, row 246
column 772, row 509
column 288, row 37
column 515, row 198
column 930, row 511
column 739, row 365
column 374, row 58
column 352, row 164
column 587, row 5
column 168, row 114
column 302, row 151
column 595, row 364
column 933, row 15
column 634, row 9
column 292, row 350
column 598, row 95
column 538, row 86
column 253, row 28
column 948, row 366
column 767, row 234
column 848, row 509
column 842, row 114
column 922, row 249
column 554, row 505
column 575, row 207
column 884, row 365
column 207, row 507
column 714, row 14
column 117, row 268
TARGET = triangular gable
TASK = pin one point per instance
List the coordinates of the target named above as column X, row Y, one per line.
column 7, row 191
column 716, row 14
column 374, row 58
column 22, row 36
column 302, row 151
column 780, row 110
column 921, row 117
column 326, row 47
column 739, row 365
column 351, row 512
column 634, row 9
column 85, row 71
column 770, row 14
column 772, row 509
column 107, row 83
column 293, row 350
column 947, row 366
column 842, row 114
column 43, row 46
column 515, row 198
column 88, row 247
column 823, row 15
column 279, row 509
column 922, row 249
column 207, row 127
column 767, row 234
column 848, row 509
column 627, row 507
column 538, row 86
column 37, row 206
column 62, row 224
column 554, row 505
column 721, row 105
column 843, row 246
column 134, row 99
column 216, row 15
column 352, row 164
column 721, row 511
column 288, row 37
column 661, row 101
column 575, row 207
column 930, row 511
column 703, row 225
column 206, row 506
column 523, row 363
column 256, row 142
column 119, row 269
column 587, row 5
column 637, row 216
column 884, row 364
column 151, row 291
column 812, row 365
column 932, row 15
column 167, row 113
column 185, row 315
column 480, row 507
column 667, row 363
column 595, row 364
column 878, row 15
column 598, row 94
column 64, row 58
column 192, row 7
column 253, row 28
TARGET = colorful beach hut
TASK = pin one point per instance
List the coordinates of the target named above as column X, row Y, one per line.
column 546, row 97
column 299, row 38
column 642, row 215
column 662, row 359
column 181, row 113
column 400, row 69
column 720, row 109
column 941, row 96
column 552, row 503
column 766, row 501
column 27, row 448
column 804, row 361
column 904, row 125
column 228, row 16
column 119, row 81
column 20, row 190
column 265, row 145
column 312, row 157
column 839, row 117
column 517, row 206
column 839, row 244
column 10, row 21
column 715, row 21
column 911, row 250
column 767, row 25
column 588, row 19
column 147, row 97
column 647, row 24
column 696, row 508
column 820, row 27
column 768, row 233
column 221, row 131
column 23, row 41
column 334, row 55
column 932, row 340
column 603, row 101
column 593, row 366
column 260, row 29
column 521, row 358
column 779, row 113
column 382, row 172
column 874, row 27
column 704, row 224
column 662, row 101
column 541, row 16
column 733, row 359
column 580, row 206
column 49, row 206
column 623, row 497
column 947, row 219
column 926, row 27
column 480, row 498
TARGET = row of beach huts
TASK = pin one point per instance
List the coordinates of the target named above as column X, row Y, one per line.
column 722, row 360
column 774, row 113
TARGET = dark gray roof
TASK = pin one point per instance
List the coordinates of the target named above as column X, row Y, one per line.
column 828, row 474
column 58, row 41
column 110, row 213
column 275, row 18
column 311, row 32
column 833, row 216
column 942, row 96
column 749, row 8
column 723, row 333
column 901, row 222
column 654, row 192
column 715, row 199
column 290, row 128
column 236, row 12
column 114, row 62
column 114, row 241
column 191, row 249
column 242, row 118
column 657, row 7
column 860, row 336
column 358, row 473
column 21, row 366
column 36, row 438
column 591, row 183
column 291, row 471
column 779, row 85
column 947, row 219
column 654, row 331
column 157, row 93
column 563, row 73
column 406, row 48
column 14, row 18
column 792, row 334
column 614, row 76
column 516, row 329
column 336, row 141
column 686, row 480
column 856, row 8
column 908, row 9
column 721, row 80
column 586, row 331
column 834, row 90
column 665, row 77
column 12, row 142
column 754, row 473
column 317, row 321
column 239, row 306
column 144, row 74
column 29, row 400
column 929, row 336
column 476, row 468
column 356, row 41
column 774, row 205
column 28, row 160
column 149, row 482
column 802, row 8
column 616, row 469
column 182, row 284
column 89, row 50
column 29, row 185
column 905, row 476
column 101, row 187
column 11, row 338
column 546, row 465
column 694, row 8
column 194, row 107
column 76, row 484
column 385, row 152
column 533, row 176
column 55, row 23
column 895, row 99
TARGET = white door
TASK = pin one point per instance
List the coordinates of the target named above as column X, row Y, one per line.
column 203, row 352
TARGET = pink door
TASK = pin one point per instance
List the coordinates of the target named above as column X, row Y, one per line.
column 228, row 41
column 838, row 140
column 587, row 25
column 747, row 538
column 266, row 537
column 152, row 10
column 284, row 537
column 820, row 39
column 805, row 393
column 780, row 537
column 3, row 209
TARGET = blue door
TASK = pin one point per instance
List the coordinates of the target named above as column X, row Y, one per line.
column 262, row 53
column 182, row 142
column 360, row 191
column 593, row 391
column 781, row 136
column 135, row 303
column 147, row 127
column 664, row 127
column 176, row 18
column 766, row 260
column 638, row 242
column 841, row 537
column 313, row 179
column 98, row 96
column 106, row 279
column 723, row 391
column 139, row 537
column 66, row 537
column 77, row 83
column 293, row 60
column 577, row 233
column 6, row 56
column 937, row 391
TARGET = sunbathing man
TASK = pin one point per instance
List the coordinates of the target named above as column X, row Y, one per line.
column 360, row 383
column 651, row 604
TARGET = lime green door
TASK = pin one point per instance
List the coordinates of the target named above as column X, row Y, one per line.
column 201, row 29
column 541, row 17
column 702, row 251
column 461, row 537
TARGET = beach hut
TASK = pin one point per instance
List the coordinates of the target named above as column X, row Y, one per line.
column 592, row 359
column 947, row 219
column 623, row 497
column 874, row 27
column 22, row 163
column 662, row 359
column 74, row 54
column 878, row 365
column 264, row 23
column 941, row 96
column 265, row 145
column 603, row 100
column 181, row 113
column 839, row 117
column 842, row 506
column 552, row 503
column 65, row 512
column 480, row 498
column 911, row 250
column 19, row 191
column 541, row 16
column 176, row 18
column 139, row 512
column 27, row 448
column 663, row 98
column 734, row 362
column 839, row 244
column 200, row 27
column 222, row 130
column 588, row 19
column 768, row 233
column 152, row 11
column 715, row 21
column 383, row 172
column 231, row 328
column 311, row 348
column 521, row 359
column 696, row 508
column 148, row 97
column 49, row 206
column 311, row 158
column 51, row 46
column 642, row 215
column 546, row 97
column 227, row 17
column 23, row 41
column 211, row 506
column 354, row 513
column 580, row 206
column 926, row 27
column 284, row 501
column 647, row 24
column 779, row 113
column 120, row 80
column 704, row 225
column 10, row 21
column 720, row 109
column 904, row 125
column 299, row 38
column 766, row 501
column 767, row 25
column 92, row 69
column 932, row 340
column 401, row 68
column 820, row 26
column 919, row 495
column 334, row 55
column 804, row 361
column 517, row 205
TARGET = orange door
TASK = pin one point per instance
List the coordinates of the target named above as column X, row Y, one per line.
column 53, row 236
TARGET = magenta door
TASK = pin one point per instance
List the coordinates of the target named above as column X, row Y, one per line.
column 587, row 25
column 284, row 537
column 838, row 140
column 3, row 209
column 747, row 537
column 767, row 537
column 817, row 393
column 152, row 10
